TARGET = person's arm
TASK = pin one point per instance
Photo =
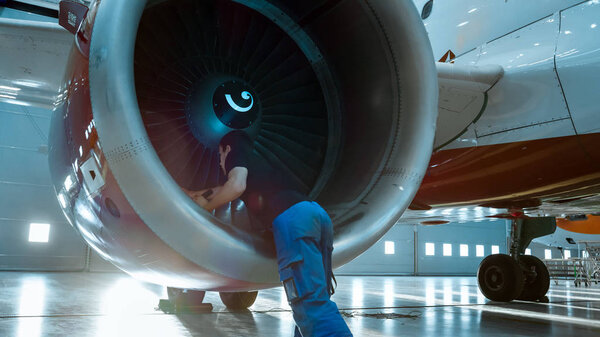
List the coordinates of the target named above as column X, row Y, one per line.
column 197, row 196
column 231, row 190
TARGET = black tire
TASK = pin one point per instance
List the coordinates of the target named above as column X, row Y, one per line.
column 185, row 298
column 536, row 286
column 238, row 300
column 500, row 278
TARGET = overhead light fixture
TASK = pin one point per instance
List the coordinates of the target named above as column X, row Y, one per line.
column 39, row 232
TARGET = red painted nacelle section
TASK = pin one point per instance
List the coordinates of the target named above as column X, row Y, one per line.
column 514, row 175
column 105, row 219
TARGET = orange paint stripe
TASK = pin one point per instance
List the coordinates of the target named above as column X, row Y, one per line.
column 589, row 226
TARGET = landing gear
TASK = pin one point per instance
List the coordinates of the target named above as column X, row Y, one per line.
column 500, row 278
column 537, row 278
column 504, row 277
column 184, row 301
column 238, row 300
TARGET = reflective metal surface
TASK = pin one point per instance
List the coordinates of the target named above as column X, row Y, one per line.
column 529, row 94
column 93, row 304
column 26, row 49
column 389, row 93
column 577, row 57
column 475, row 22
column 463, row 98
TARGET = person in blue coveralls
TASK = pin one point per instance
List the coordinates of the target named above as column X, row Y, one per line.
column 302, row 230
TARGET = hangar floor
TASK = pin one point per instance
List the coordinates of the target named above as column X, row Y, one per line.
column 106, row 304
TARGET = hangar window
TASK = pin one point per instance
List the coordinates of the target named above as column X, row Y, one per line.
column 527, row 251
column 495, row 249
column 426, row 12
column 447, row 249
column 389, row 248
column 464, row 250
column 429, row 249
column 39, row 232
column 479, row 251
column 547, row 254
column 567, row 254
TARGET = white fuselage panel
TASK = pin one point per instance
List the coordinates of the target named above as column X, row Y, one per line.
column 577, row 61
column 463, row 25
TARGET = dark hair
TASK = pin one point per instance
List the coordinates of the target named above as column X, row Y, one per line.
column 235, row 139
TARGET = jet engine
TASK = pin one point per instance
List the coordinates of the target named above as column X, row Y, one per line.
column 340, row 96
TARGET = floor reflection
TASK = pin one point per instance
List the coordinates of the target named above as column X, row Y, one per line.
column 87, row 304
column 32, row 301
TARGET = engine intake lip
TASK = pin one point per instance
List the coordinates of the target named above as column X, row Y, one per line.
column 191, row 231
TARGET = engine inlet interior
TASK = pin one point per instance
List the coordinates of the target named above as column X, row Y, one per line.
column 340, row 96
column 206, row 68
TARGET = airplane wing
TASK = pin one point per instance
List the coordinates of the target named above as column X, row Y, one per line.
column 34, row 58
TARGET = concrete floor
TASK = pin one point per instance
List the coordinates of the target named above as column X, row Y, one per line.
column 106, row 304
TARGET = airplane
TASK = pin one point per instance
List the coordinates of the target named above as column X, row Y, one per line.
column 342, row 96
column 573, row 230
column 517, row 141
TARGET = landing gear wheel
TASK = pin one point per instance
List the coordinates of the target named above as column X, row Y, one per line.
column 185, row 298
column 537, row 278
column 500, row 278
column 238, row 300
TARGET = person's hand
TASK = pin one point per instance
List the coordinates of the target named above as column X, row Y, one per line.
column 193, row 194
column 197, row 196
column 200, row 200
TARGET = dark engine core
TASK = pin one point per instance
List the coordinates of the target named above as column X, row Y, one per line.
column 200, row 64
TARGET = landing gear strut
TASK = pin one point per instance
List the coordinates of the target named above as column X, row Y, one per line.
column 504, row 277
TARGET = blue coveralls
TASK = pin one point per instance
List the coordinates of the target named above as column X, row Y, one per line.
column 304, row 240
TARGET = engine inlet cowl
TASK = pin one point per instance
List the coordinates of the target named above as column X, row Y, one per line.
column 341, row 99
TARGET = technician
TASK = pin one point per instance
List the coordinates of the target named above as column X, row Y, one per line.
column 302, row 230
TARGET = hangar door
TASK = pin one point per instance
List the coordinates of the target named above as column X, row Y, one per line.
column 458, row 248
column 392, row 255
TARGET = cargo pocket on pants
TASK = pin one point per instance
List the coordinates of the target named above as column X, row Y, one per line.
column 290, row 284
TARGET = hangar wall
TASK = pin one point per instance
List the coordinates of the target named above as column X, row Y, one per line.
column 443, row 262
column 375, row 261
column 26, row 196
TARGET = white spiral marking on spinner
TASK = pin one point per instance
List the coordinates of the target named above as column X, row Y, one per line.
column 245, row 95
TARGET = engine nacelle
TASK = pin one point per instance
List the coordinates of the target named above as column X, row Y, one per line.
column 341, row 96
